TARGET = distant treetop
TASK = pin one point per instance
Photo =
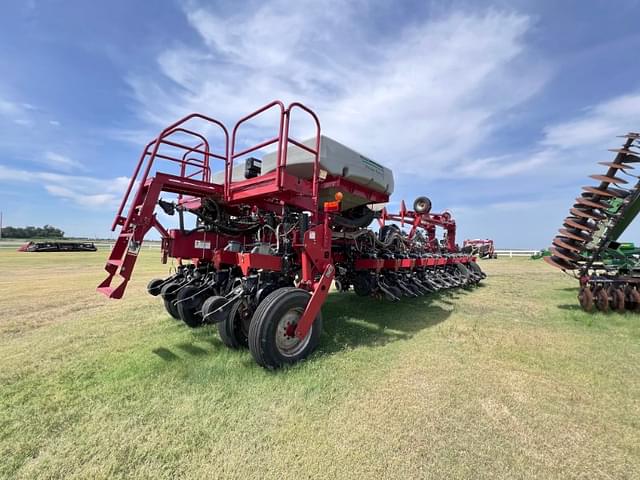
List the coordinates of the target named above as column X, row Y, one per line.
column 48, row 231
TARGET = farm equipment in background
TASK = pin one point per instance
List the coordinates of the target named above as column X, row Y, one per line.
column 609, row 271
column 541, row 254
column 272, row 234
column 483, row 248
column 58, row 247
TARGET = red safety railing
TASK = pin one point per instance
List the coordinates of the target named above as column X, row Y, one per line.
column 152, row 152
column 199, row 154
column 315, row 152
column 277, row 139
column 282, row 140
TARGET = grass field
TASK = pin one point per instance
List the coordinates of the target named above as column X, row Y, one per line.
column 508, row 380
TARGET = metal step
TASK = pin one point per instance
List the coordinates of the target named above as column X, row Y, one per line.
column 112, row 292
column 106, row 291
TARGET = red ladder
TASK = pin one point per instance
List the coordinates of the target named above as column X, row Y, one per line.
column 140, row 217
column 124, row 253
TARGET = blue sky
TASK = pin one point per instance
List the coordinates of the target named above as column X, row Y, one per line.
column 498, row 110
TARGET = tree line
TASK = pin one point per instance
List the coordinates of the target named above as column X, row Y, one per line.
column 48, row 231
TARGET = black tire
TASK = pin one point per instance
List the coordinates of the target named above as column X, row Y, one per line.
column 422, row 205
column 190, row 309
column 168, row 297
column 476, row 268
column 154, row 287
column 210, row 305
column 341, row 285
column 465, row 274
column 363, row 284
column 282, row 305
column 234, row 329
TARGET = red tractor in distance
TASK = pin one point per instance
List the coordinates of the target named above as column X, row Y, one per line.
column 270, row 231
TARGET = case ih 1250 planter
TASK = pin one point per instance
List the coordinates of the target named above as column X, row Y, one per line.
column 272, row 234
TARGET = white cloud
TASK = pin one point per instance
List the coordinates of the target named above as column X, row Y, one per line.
column 87, row 192
column 15, row 175
column 598, row 124
column 417, row 100
column 582, row 139
column 61, row 162
column 8, row 108
column 550, row 174
column 90, row 200
column 503, row 166
column 499, row 208
column 18, row 113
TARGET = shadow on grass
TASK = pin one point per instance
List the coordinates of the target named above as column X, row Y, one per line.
column 350, row 321
column 192, row 349
column 570, row 289
column 570, row 307
column 165, row 354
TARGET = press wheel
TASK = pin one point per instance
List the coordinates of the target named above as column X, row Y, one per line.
column 272, row 331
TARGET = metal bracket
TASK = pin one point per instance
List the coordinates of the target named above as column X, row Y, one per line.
column 320, row 293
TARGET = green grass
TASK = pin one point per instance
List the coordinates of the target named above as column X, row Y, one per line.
column 507, row 380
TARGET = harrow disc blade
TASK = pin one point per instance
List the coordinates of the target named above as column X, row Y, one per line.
column 602, row 299
column 631, row 156
column 565, row 254
column 619, row 191
column 619, row 166
column 591, row 203
column 617, row 299
column 586, row 214
column 585, row 297
column 587, row 229
column 572, row 222
column 575, row 235
column 559, row 263
column 601, row 192
column 568, row 244
column 634, row 300
column 606, row 179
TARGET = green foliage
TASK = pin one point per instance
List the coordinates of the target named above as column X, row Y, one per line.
column 48, row 231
